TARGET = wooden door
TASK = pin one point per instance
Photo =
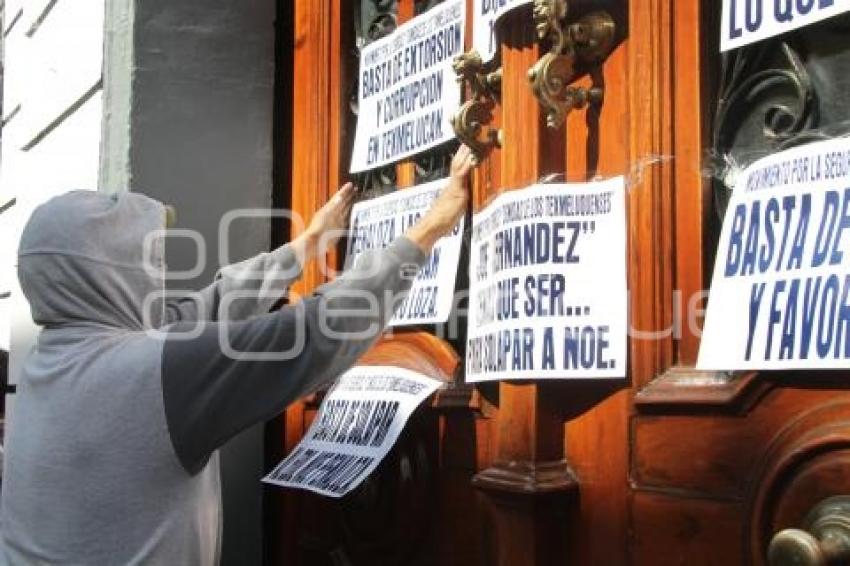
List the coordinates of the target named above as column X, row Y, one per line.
column 721, row 463
column 672, row 465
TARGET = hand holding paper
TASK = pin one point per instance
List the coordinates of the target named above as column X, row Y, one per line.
column 331, row 219
column 449, row 207
column 377, row 223
column 326, row 227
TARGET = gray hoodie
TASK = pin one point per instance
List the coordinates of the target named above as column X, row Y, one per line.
column 111, row 456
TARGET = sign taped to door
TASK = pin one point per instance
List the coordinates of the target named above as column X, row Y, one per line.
column 780, row 293
column 547, row 296
column 407, row 90
column 356, row 426
column 375, row 223
column 747, row 21
column 487, row 13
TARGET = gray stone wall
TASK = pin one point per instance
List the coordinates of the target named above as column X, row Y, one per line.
column 188, row 117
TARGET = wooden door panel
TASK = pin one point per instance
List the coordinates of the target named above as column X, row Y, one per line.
column 804, row 463
column 418, row 507
column 671, row 531
column 404, row 512
column 714, row 455
column 599, row 142
column 769, row 445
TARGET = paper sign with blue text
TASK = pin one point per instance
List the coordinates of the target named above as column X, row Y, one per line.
column 375, row 223
column 487, row 13
column 408, row 91
column 780, row 294
column 358, row 423
column 547, row 297
column 747, row 21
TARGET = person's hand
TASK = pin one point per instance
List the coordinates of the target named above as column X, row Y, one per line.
column 449, row 207
column 452, row 202
column 462, row 163
column 326, row 227
column 331, row 219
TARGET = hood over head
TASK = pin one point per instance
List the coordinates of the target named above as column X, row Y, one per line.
column 82, row 259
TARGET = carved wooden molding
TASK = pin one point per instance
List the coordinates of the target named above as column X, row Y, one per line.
column 453, row 396
column 417, row 351
column 684, row 389
column 818, row 434
column 425, row 353
column 528, row 479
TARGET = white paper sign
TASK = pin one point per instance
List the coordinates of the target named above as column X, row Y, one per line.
column 780, row 295
column 356, row 426
column 548, row 284
column 748, row 21
column 408, row 91
column 487, row 13
column 377, row 222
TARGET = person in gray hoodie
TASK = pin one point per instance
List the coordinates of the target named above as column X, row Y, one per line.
column 111, row 453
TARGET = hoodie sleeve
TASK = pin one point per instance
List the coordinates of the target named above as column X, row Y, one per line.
column 248, row 288
column 220, row 378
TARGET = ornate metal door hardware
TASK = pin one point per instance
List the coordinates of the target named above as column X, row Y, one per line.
column 825, row 540
column 584, row 43
column 470, row 120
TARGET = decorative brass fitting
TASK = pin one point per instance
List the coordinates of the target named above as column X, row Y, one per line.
column 823, row 539
column 584, row 43
column 471, row 119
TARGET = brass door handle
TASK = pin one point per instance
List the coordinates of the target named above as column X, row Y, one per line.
column 823, row 541
column 584, row 43
column 471, row 121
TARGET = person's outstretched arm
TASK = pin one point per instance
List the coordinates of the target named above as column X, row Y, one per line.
column 211, row 394
column 261, row 281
